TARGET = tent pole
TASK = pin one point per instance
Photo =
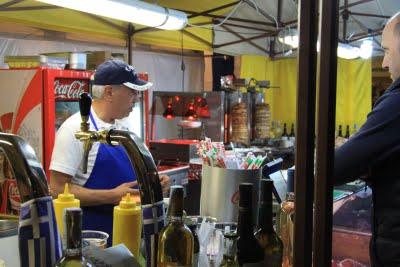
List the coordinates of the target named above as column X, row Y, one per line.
column 327, row 72
column 130, row 32
column 305, row 132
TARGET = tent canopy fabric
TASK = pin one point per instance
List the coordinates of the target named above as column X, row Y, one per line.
column 363, row 17
column 353, row 95
column 48, row 17
column 258, row 20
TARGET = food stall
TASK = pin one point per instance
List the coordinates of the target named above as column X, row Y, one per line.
column 246, row 118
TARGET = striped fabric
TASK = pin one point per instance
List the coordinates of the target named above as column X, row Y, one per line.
column 39, row 241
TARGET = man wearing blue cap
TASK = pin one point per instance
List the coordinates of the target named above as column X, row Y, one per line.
column 110, row 176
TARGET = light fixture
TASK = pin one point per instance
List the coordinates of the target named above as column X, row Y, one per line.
column 203, row 110
column 347, row 51
column 289, row 37
column 169, row 113
column 133, row 11
column 191, row 112
column 366, row 48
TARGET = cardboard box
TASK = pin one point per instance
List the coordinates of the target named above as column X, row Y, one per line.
column 95, row 58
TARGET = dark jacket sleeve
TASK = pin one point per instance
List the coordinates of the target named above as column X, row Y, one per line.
column 377, row 141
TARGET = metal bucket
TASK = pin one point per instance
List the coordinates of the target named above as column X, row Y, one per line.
column 220, row 192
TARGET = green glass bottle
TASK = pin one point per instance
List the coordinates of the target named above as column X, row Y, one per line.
column 73, row 239
column 266, row 235
column 175, row 243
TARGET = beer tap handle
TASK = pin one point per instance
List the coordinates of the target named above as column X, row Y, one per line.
column 85, row 103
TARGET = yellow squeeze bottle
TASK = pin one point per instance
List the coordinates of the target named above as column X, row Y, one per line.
column 127, row 224
column 63, row 201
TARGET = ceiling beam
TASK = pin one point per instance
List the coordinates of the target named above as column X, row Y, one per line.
column 29, row 8
column 197, row 38
column 345, row 16
column 290, row 22
column 293, row 22
column 369, row 15
column 231, row 18
column 206, row 12
column 356, row 4
column 216, row 21
column 242, row 38
column 279, row 12
column 285, row 51
column 363, row 35
column 262, row 12
column 11, row 3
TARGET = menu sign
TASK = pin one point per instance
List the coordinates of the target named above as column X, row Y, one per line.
column 69, row 89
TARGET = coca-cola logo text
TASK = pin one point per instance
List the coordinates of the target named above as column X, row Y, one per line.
column 69, row 89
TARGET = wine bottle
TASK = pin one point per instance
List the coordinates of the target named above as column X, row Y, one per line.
column 292, row 134
column 285, row 134
column 175, row 244
column 229, row 259
column 196, row 244
column 347, row 135
column 340, row 134
column 266, row 235
column 73, row 239
column 249, row 251
column 286, row 223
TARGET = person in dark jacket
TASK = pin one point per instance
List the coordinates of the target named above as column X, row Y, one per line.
column 374, row 152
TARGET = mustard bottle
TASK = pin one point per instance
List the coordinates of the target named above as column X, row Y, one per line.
column 127, row 224
column 63, row 201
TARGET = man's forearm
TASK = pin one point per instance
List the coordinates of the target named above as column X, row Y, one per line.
column 92, row 197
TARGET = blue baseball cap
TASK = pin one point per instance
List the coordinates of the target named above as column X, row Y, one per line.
column 117, row 72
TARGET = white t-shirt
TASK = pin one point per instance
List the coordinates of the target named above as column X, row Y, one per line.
column 68, row 151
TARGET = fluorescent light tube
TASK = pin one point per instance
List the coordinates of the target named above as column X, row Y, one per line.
column 347, row 51
column 133, row 11
column 291, row 40
column 366, row 48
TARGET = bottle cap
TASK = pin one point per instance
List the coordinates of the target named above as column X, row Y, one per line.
column 290, row 180
column 127, row 202
column 245, row 194
column 66, row 196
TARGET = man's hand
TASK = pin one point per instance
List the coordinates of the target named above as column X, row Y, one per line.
column 165, row 183
column 121, row 190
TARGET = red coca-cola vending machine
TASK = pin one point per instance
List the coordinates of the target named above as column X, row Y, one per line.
column 35, row 102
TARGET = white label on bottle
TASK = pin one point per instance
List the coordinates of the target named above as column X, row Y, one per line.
column 254, row 264
column 195, row 260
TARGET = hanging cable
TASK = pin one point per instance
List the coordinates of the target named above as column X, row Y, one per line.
column 252, row 2
column 211, row 26
column 182, row 63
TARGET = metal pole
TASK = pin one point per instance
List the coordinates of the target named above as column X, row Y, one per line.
column 327, row 71
column 305, row 132
column 345, row 16
column 129, row 33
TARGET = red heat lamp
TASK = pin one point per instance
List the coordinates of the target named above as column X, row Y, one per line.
column 203, row 110
column 169, row 113
column 191, row 112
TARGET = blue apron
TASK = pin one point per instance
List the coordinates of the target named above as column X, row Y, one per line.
column 111, row 169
